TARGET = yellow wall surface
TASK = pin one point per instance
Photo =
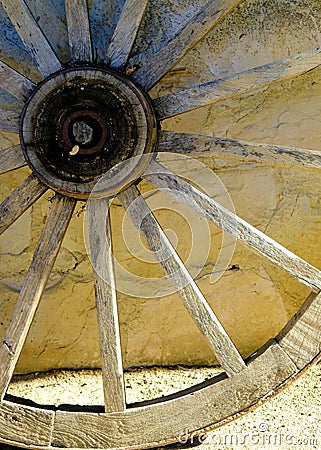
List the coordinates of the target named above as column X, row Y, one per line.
column 253, row 298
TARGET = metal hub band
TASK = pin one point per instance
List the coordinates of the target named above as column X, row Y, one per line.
column 80, row 123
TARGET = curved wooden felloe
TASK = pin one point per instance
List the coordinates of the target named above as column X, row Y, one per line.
column 243, row 383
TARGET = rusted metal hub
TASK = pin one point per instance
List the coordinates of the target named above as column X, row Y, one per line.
column 80, row 123
column 86, row 130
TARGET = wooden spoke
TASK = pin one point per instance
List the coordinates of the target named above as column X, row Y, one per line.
column 43, row 260
column 110, row 349
column 185, row 39
column 272, row 155
column 9, row 120
column 125, row 33
column 11, row 158
column 32, row 36
column 20, row 200
column 214, row 91
column 201, row 312
column 174, row 186
column 79, row 30
column 15, row 83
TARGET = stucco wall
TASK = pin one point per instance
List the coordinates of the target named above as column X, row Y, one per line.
column 253, row 299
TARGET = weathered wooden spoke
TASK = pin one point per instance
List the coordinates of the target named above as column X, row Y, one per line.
column 79, row 30
column 176, row 187
column 201, row 312
column 107, row 314
column 214, row 91
column 9, row 120
column 32, row 36
column 185, row 39
column 15, row 83
column 33, row 287
column 125, row 33
column 241, row 151
column 20, row 200
column 11, row 158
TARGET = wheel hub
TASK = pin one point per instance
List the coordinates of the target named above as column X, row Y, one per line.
column 80, row 123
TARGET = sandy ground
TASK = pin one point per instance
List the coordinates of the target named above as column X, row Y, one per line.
column 291, row 420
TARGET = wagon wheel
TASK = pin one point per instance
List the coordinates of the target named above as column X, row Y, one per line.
column 68, row 146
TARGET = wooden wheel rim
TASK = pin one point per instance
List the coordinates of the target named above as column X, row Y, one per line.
column 194, row 411
column 169, row 419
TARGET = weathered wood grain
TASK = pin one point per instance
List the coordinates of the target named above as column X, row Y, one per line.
column 29, row 425
column 240, row 151
column 214, row 91
column 185, row 39
column 43, row 260
column 301, row 338
column 20, row 200
column 182, row 191
column 125, row 33
column 15, row 83
column 169, row 420
column 79, row 30
column 9, row 120
column 194, row 301
column 11, row 158
column 32, row 36
column 107, row 314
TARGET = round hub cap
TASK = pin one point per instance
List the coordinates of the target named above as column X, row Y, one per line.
column 80, row 123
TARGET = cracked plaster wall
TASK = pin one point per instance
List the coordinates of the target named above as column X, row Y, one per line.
column 253, row 299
